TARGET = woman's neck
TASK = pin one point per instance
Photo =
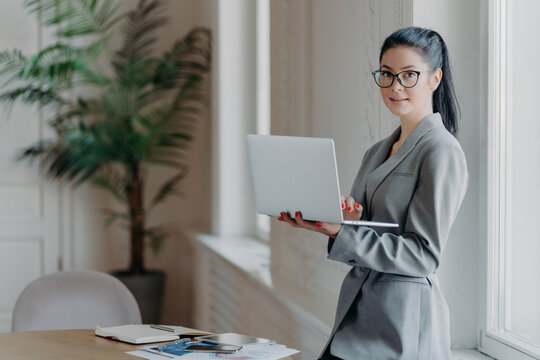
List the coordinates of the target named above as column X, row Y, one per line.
column 410, row 122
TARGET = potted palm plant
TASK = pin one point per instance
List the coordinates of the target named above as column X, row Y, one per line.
column 114, row 121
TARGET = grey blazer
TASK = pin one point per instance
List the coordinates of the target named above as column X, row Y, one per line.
column 390, row 305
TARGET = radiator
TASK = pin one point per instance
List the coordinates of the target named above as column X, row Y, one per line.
column 234, row 293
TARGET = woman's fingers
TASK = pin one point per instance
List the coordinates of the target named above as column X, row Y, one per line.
column 358, row 209
column 352, row 210
column 299, row 222
column 349, row 204
column 328, row 229
column 306, row 224
column 286, row 218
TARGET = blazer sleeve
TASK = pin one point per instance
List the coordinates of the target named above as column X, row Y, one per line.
column 360, row 198
column 442, row 184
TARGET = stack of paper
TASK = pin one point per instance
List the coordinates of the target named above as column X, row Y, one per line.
column 254, row 352
column 235, row 339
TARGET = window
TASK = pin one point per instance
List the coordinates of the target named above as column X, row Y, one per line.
column 512, row 328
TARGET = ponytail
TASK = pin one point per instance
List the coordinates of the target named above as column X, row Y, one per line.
column 432, row 48
column 444, row 98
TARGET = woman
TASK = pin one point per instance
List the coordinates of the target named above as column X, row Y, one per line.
column 390, row 305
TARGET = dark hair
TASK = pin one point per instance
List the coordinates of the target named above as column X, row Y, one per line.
column 432, row 48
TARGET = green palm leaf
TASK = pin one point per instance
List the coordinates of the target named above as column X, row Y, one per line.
column 11, row 65
column 76, row 17
column 168, row 188
column 145, row 113
column 139, row 32
column 157, row 235
column 113, row 216
column 113, row 182
column 31, row 95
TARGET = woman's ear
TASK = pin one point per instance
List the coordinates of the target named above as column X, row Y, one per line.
column 436, row 79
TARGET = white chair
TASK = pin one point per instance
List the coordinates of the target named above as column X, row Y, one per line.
column 74, row 300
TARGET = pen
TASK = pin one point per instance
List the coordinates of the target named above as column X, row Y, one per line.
column 156, row 353
column 164, row 328
column 176, row 343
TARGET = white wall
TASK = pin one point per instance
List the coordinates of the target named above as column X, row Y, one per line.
column 347, row 104
column 29, row 205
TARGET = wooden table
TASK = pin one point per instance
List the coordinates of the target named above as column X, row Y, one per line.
column 63, row 344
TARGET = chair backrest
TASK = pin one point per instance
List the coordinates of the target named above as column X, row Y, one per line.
column 74, row 300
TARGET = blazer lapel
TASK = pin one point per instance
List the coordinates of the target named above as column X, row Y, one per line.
column 377, row 176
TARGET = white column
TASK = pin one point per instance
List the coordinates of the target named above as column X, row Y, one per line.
column 235, row 111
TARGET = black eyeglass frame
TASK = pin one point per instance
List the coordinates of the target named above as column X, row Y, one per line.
column 394, row 76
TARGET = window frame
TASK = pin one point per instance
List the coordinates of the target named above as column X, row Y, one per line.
column 492, row 340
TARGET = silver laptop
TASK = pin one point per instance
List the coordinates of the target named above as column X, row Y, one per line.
column 292, row 174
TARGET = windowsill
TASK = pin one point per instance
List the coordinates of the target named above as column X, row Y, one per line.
column 469, row 354
column 246, row 254
column 253, row 258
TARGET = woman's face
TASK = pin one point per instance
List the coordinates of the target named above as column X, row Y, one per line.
column 414, row 102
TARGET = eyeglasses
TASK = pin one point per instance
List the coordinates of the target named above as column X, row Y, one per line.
column 407, row 78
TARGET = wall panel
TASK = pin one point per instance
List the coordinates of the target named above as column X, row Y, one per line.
column 29, row 205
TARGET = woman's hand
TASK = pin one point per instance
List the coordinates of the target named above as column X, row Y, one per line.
column 328, row 229
column 351, row 211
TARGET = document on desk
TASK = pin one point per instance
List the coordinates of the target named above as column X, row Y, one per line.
column 256, row 352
